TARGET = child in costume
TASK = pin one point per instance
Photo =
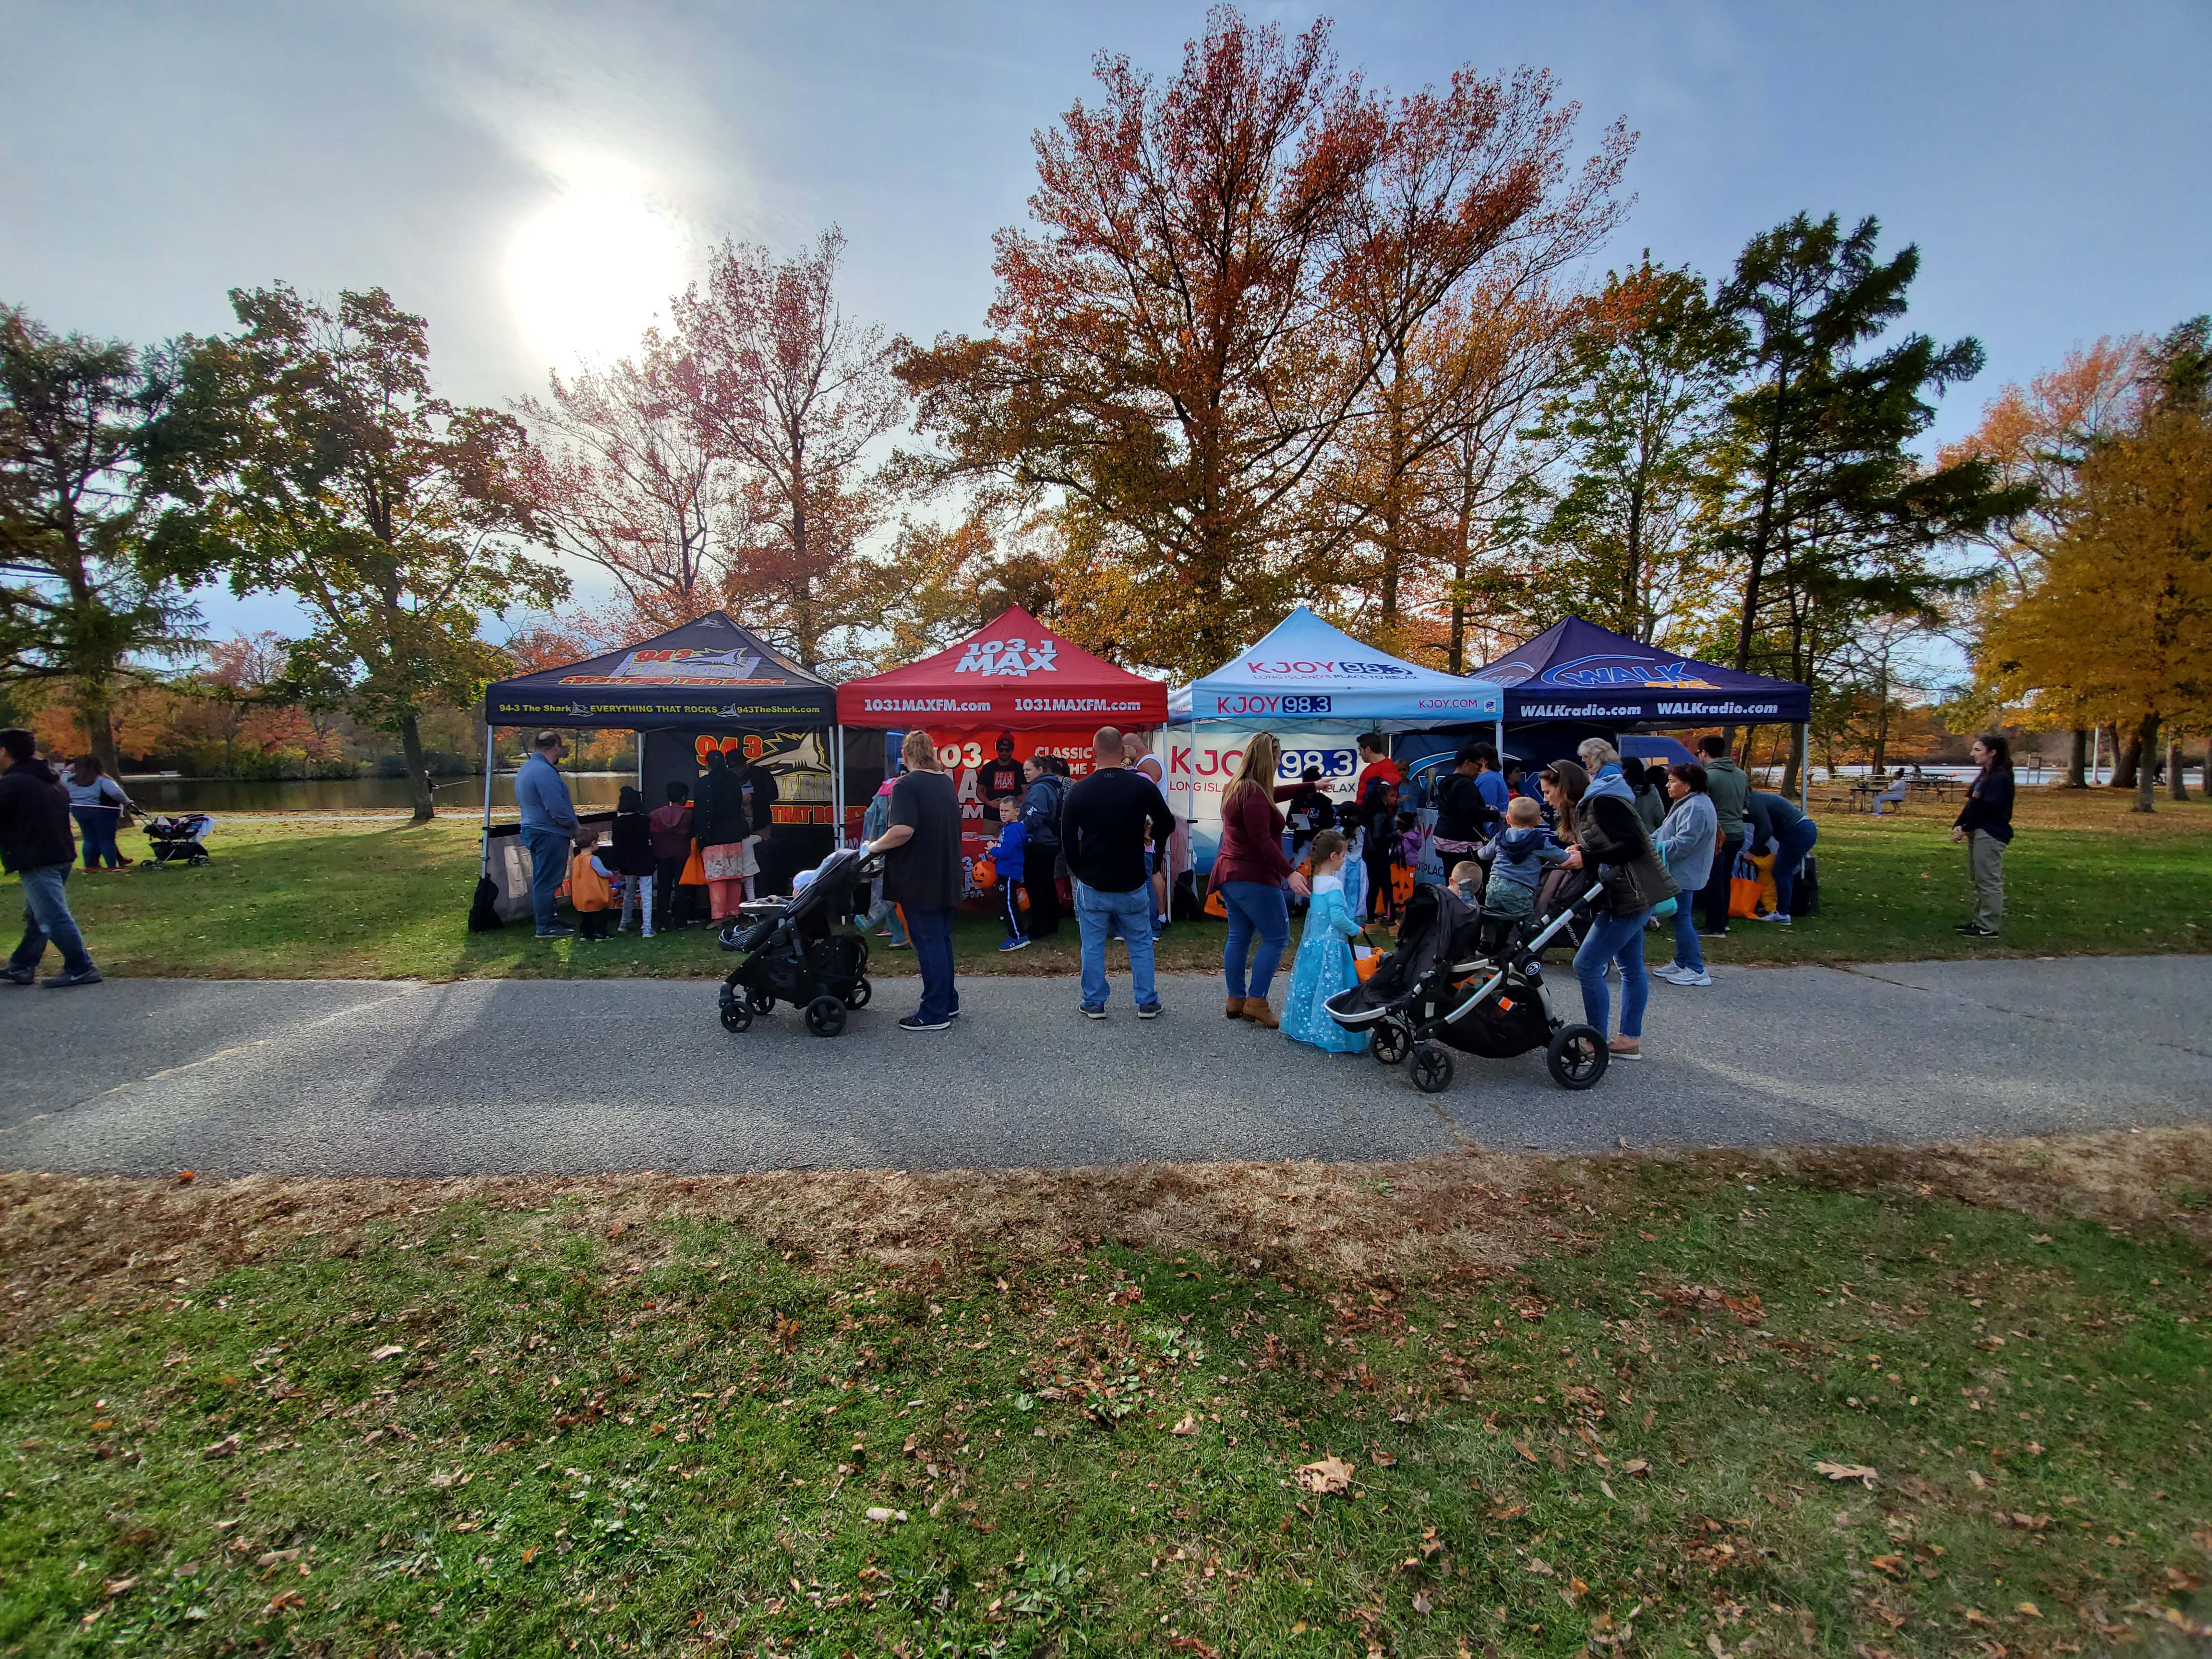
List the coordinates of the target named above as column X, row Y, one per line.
column 1324, row 961
column 591, row 890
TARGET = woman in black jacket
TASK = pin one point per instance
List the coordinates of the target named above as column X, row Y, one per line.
column 1985, row 825
column 722, row 825
column 1612, row 843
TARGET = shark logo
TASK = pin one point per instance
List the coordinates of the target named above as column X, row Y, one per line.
column 682, row 663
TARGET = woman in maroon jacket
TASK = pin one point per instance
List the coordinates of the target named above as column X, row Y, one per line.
column 1249, row 872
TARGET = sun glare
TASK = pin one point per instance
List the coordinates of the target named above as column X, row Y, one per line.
column 590, row 271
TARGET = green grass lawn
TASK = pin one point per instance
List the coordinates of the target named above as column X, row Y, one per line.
column 1855, row 1404
column 288, row 897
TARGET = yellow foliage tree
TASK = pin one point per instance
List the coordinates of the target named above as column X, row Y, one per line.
column 2117, row 624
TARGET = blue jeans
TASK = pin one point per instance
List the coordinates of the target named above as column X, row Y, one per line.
column 98, row 825
column 1614, row 938
column 932, row 932
column 1790, row 849
column 1255, row 907
column 1132, row 912
column 548, row 868
column 1687, row 952
column 46, row 917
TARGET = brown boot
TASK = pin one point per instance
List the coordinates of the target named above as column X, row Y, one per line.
column 1236, row 1007
column 1257, row 1010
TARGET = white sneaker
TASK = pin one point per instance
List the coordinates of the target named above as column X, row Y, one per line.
column 1667, row 973
column 1690, row 979
column 1775, row 915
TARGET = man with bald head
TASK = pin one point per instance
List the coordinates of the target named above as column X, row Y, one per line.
column 1111, row 819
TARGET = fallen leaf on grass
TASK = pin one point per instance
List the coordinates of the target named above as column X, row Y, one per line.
column 1522, row 1446
column 1541, row 1568
column 877, row 1514
column 117, row 1586
column 2028, row 1610
column 529, row 1555
column 1189, row 1426
column 388, row 1351
column 1422, row 1604
column 282, row 1600
column 1326, row 1477
column 225, row 1447
column 1846, row 1472
column 1892, row 1564
column 1382, row 1460
column 185, row 1177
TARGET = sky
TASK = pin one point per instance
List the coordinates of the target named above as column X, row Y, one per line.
column 535, row 179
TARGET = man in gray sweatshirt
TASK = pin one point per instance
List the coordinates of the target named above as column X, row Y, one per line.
column 1729, row 787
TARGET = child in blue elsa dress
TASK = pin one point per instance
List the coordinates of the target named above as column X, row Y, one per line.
column 1324, row 962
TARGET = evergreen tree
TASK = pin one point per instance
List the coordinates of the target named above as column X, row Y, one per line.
column 1637, row 409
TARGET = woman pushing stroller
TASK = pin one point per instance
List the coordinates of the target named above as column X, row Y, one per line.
column 1610, row 842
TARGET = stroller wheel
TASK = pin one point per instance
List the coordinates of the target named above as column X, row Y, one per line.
column 736, row 1017
column 1432, row 1068
column 759, row 1001
column 826, row 1016
column 1577, row 1056
column 1391, row 1041
column 859, row 995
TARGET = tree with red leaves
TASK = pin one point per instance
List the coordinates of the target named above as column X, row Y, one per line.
column 777, row 381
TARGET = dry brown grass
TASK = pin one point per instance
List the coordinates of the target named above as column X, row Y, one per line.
column 74, row 1242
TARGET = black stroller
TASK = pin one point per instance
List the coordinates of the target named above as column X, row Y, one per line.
column 176, row 838
column 792, row 954
column 1477, row 983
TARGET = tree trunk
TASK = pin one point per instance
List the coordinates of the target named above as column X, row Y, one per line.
column 2176, row 786
column 418, row 773
column 2127, row 759
column 2144, row 746
column 2077, row 760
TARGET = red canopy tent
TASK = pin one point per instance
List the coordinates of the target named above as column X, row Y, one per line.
column 1015, row 675
column 1016, row 678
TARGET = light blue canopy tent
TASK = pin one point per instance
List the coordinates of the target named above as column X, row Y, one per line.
column 1306, row 676
column 1311, row 676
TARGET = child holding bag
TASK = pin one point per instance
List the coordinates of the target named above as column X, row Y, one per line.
column 1324, row 961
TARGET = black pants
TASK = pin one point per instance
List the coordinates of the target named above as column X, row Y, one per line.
column 1713, row 902
column 673, row 899
column 592, row 923
column 1381, row 901
column 1013, row 907
column 1044, row 899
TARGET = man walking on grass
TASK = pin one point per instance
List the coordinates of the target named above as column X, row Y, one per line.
column 921, row 875
column 1103, row 829
column 35, row 844
column 549, row 827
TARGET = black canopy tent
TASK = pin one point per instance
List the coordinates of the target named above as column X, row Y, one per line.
column 683, row 692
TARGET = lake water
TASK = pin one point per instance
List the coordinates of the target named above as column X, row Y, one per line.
column 158, row 794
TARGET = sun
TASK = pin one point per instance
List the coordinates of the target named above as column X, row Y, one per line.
column 586, row 273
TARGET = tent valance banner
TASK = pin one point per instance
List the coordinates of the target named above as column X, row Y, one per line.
column 1310, row 677
column 1578, row 671
column 710, row 675
column 1015, row 675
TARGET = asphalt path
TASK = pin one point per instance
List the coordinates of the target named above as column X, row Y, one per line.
column 591, row 1076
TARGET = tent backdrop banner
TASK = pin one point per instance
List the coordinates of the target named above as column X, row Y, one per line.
column 1015, row 675
column 1578, row 671
column 1201, row 765
column 709, row 675
column 1308, row 676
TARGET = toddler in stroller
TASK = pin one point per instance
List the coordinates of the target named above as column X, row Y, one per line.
column 1461, row 980
column 792, row 954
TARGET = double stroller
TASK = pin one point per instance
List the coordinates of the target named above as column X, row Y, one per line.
column 1463, row 980
column 792, row 954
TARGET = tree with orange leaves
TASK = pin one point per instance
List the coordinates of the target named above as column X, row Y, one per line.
column 1224, row 267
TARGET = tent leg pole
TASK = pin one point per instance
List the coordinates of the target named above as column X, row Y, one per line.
column 486, row 812
column 837, row 785
column 640, row 761
column 1805, row 767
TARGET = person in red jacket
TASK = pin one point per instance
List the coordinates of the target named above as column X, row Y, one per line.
column 1250, row 874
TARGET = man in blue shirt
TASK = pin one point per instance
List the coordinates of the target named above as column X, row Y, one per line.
column 548, row 827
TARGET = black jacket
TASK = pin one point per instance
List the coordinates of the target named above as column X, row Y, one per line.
column 1988, row 805
column 35, row 820
column 1617, row 848
column 1104, row 828
column 764, row 795
column 718, row 817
